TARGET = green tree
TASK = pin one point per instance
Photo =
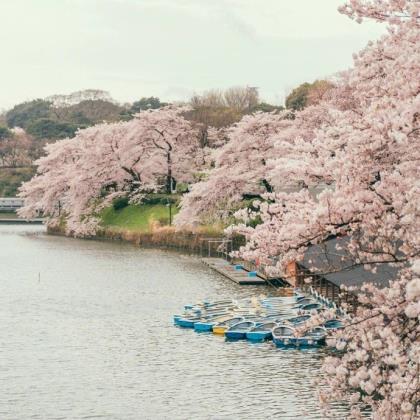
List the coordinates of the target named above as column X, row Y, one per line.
column 5, row 133
column 90, row 112
column 143, row 104
column 265, row 107
column 46, row 128
column 147, row 103
column 24, row 114
column 308, row 94
column 298, row 98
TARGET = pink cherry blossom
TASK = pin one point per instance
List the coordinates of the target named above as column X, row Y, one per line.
column 79, row 176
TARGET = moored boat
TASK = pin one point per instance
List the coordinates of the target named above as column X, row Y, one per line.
column 298, row 320
column 313, row 338
column 283, row 334
column 207, row 325
column 186, row 322
column 333, row 324
column 221, row 327
column 261, row 332
column 238, row 331
column 304, row 301
column 311, row 307
column 286, row 336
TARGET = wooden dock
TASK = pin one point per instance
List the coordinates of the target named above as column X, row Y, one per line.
column 239, row 276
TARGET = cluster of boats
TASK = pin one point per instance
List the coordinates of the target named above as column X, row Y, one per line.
column 271, row 318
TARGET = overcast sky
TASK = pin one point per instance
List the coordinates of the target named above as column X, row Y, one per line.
column 171, row 48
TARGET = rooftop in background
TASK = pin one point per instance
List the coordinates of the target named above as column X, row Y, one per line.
column 337, row 266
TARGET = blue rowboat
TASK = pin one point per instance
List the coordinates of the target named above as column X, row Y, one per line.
column 313, row 338
column 207, row 325
column 221, row 327
column 186, row 322
column 333, row 324
column 310, row 307
column 190, row 321
column 282, row 335
column 209, row 304
column 302, row 302
column 261, row 332
column 298, row 320
column 238, row 331
column 285, row 336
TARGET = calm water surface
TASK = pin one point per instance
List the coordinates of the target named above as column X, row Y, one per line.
column 91, row 336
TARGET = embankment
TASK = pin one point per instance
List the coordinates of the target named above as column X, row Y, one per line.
column 146, row 226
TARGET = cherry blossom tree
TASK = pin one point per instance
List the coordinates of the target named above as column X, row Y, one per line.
column 46, row 191
column 263, row 155
column 367, row 156
column 80, row 176
column 175, row 143
column 240, row 169
column 14, row 148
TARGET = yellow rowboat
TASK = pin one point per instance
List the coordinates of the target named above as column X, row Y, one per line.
column 219, row 330
column 221, row 327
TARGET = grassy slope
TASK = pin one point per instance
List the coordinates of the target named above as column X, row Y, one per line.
column 139, row 219
column 136, row 218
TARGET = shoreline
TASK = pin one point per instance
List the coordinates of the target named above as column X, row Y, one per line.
column 163, row 238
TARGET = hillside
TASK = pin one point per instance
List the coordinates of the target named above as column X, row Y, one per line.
column 42, row 121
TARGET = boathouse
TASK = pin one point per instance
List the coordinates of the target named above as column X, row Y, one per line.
column 335, row 270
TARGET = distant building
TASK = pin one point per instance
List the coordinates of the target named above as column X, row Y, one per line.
column 336, row 268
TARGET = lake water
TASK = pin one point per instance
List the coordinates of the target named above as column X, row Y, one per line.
column 86, row 333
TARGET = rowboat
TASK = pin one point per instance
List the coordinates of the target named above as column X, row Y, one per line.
column 207, row 325
column 310, row 307
column 286, row 336
column 333, row 324
column 313, row 338
column 302, row 302
column 283, row 334
column 217, row 302
column 221, row 327
column 298, row 320
column 261, row 332
column 186, row 322
column 238, row 331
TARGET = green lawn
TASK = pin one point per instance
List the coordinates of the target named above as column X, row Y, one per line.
column 136, row 218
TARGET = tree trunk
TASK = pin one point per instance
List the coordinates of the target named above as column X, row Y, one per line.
column 169, row 174
column 267, row 186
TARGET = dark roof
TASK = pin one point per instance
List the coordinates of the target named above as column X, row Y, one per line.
column 338, row 266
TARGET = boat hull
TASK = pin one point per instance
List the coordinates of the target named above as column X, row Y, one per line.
column 298, row 342
column 185, row 323
column 259, row 335
column 203, row 326
column 235, row 335
column 282, row 342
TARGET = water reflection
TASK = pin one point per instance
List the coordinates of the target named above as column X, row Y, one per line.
column 86, row 332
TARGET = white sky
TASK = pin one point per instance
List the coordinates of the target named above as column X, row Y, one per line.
column 171, row 48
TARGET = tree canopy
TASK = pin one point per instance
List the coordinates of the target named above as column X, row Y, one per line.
column 308, row 94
